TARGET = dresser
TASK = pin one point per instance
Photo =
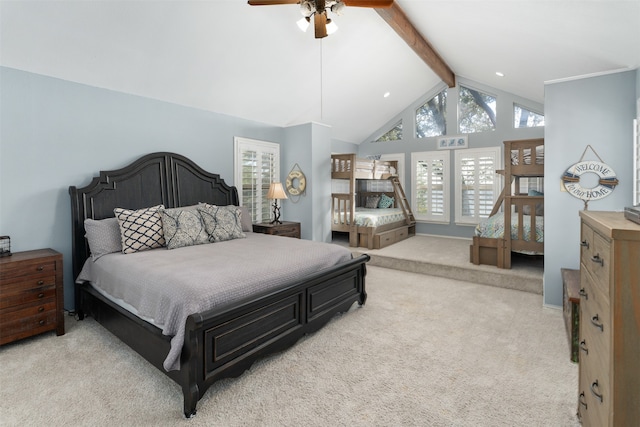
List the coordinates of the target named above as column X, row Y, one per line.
column 31, row 294
column 609, row 381
column 286, row 228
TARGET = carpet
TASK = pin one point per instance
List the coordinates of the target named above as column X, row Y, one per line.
column 423, row 351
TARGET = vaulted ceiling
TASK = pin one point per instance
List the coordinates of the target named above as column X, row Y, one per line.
column 253, row 62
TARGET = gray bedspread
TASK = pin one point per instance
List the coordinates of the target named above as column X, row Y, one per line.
column 166, row 286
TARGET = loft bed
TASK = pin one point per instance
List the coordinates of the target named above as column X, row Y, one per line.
column 523, row 211
column 250, row 313
column 358, row 211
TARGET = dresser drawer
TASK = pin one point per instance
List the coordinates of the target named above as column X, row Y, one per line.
column 26, row 296
column 27, row 326
column 600, row 262
column 26, row 268
column 42, row 306
column 586, row 243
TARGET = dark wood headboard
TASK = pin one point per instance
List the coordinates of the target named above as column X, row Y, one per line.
column 157, row 178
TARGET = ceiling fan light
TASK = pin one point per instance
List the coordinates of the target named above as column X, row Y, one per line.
column 337, row 8
column 331, row 27
column 307, row 8
column 303, row 24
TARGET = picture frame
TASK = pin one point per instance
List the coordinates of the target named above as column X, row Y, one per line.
column 452, row 142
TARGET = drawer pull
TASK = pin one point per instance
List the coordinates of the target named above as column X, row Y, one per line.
column 42, row 322
column 583, row 293
column 581, row 400
column 583, row 346
column 595, row 321
column 584, row 244
column 40, row 268
column 593, row 388
column 40, row 309
column 41, row 295
column 596, row 258
column 40, row 282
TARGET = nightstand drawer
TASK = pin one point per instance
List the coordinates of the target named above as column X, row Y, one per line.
column 285, row 229
column 27, row 295
column 27, row 326
column 42, row 306
column 22, row 269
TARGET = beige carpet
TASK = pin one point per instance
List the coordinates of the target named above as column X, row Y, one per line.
column 423, row 351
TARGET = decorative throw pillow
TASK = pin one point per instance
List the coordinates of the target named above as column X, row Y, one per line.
column 183, row 227
column 372, row 202
column 222, row 222
column 385, row 201
column 103, row 236
column 245, row 218
column 140, row 230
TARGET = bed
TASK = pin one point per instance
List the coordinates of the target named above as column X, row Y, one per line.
column 373, row 219
column 212, row 336
column 524, row 211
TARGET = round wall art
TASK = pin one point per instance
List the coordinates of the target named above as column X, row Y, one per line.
column 607, row 180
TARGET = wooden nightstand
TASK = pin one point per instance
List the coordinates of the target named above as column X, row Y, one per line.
column 287, row 228
column 31, row 294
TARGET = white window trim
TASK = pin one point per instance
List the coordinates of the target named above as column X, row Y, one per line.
column 240, row 145
column 497, row 183
column 443, row 155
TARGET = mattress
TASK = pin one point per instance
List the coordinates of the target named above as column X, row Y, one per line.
column 375, row 217
column 493, row 227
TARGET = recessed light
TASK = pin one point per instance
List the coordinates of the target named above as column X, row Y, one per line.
column 387, row 94
column 499, row 74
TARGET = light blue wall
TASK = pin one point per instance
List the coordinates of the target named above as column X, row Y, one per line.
column 596, row 111
column 55, row 133
column 504, row 131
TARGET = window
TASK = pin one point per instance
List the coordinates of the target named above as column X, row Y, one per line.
column 395, row 134
column 430, row 117
column 524, row 118
column 477, row 111
column 430, row 185
column 257, row 164
column 477, row 184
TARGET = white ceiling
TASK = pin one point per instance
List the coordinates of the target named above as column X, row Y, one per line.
column 253, row 62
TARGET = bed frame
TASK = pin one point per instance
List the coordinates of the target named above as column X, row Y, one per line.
column 218, row 343
column 343, row 205
column 497, row 252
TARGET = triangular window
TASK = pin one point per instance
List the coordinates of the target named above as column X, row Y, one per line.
column 524, row 118
column 477, row 111
column 394, row 134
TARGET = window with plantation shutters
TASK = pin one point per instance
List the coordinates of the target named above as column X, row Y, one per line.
column 430, row 186
column 477, row 184
column 257, row 165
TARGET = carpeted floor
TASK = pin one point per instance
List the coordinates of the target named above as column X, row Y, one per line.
column 423, row 351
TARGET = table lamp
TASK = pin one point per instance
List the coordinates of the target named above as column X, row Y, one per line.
column 276, row 192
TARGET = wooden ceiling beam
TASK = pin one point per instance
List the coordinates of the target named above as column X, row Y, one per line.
column 398, row 20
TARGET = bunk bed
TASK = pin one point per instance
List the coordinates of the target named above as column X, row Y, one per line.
column 520, row 211
column 358, row 211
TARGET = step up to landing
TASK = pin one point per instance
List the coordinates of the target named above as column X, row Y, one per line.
column 447, row 257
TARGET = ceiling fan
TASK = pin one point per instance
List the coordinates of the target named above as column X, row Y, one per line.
column 318, row 9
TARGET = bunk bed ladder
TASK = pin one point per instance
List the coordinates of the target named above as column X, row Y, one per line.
column 403, row 202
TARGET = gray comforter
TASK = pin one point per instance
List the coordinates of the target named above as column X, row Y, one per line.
column 165, row 286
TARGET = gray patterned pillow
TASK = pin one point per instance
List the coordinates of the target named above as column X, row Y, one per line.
column 372, row 202
column 183, row 227
column 103, row 236
column 222, row 222
column 140, row 230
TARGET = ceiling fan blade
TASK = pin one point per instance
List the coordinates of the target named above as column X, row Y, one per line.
column 320, row 24
column 378, row 4
column 271, row 2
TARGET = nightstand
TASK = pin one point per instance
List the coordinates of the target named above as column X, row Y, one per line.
column 287, row 228
column 31, row 294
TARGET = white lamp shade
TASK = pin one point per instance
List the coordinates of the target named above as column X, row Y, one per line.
column 276, row 191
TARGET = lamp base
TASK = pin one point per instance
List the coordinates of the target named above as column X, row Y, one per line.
column 276, row 213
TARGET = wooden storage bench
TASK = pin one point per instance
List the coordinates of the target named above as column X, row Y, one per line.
column 571, row 308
